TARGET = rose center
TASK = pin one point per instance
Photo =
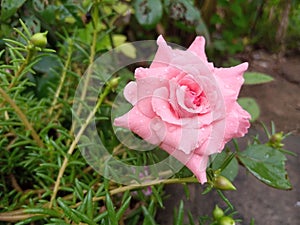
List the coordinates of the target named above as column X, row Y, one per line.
column 198, row 99
column 194, row 99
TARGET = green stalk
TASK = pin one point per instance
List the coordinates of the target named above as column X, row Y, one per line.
column 63, row 77
column 150, row 183
column 31, row 53
column 88, row 74
column 75, row 142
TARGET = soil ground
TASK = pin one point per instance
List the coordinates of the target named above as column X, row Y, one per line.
column 279, row 102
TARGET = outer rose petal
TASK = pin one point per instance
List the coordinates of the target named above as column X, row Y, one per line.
column 130, row 92
column 237, row 123
column 230, row 81
column 196, row 163
column 198, row 47
column 137, row 122
column 163, row 55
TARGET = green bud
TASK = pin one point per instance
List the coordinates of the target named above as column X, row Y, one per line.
column 113, row 83
column 223, row 183
column 275, row 140
column 70, row 20
column 217, row 213
column 226, row 220
column 39, row 39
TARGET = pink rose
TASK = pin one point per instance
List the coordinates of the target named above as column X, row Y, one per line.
column 185, row 105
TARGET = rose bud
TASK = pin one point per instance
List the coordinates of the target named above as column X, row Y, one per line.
column 223, row 183
column 113, row 83
column 226, row 220
column 39, row 39
column 275, row 140
column 218, row 212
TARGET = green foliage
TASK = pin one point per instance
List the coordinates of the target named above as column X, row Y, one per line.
column 148, row 13
column 251, row 106
column 257, row 78
column 231, row 170
column 9, row 8
column 267, row 164
column 293, row 41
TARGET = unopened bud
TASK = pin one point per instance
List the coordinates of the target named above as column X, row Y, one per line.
column 39, row 39
column 113, row 83
column 226, row 220
column 276, row 140
column 218, row 212
column 223, row 183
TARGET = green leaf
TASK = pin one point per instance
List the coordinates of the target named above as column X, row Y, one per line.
column 45, row 211
column 30, row 220
column 129, row 50
column 9, row 8
column 123, row 208
column 83, row 217
column 178, row 220
column 111, row 210
column 251, row 106
column 257, row 78
column 148, row 12
column 267, row 164
column 231, row 170
column 90, row 205
column 149, row 220
column 191, row 219
column 68, row 211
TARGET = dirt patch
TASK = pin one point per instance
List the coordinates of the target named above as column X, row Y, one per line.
column 279, row 100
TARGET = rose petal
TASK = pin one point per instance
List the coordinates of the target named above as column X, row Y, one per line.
column 162, row 108
column 145, row 89
column 163, row 55
column 143, row 73
column 237, row 122
column 137, row 122
column 198, row 47
column 130, row 92
column 230, row 81
column 197, row 164
column 185, row 139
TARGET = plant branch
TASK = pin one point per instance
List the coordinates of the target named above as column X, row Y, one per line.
column 63, row 76
column 147, row 184
column 88, row 74
column 75, row 142
column 23, row 118
column 28, row 58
